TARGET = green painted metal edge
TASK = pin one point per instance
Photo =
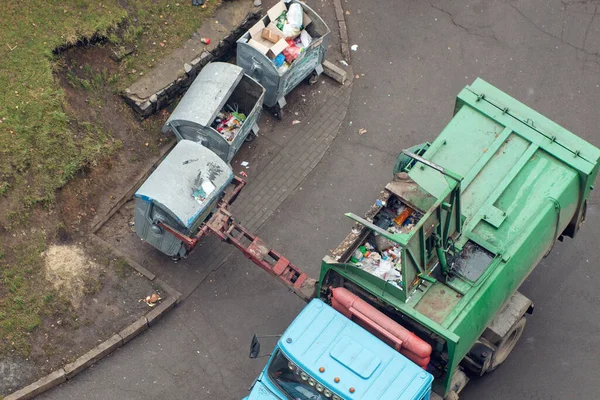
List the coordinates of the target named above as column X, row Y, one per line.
column 573, row 158
column 529, row 119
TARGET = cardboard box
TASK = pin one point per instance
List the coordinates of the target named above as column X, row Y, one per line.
column 264, row 46
column 270, row 35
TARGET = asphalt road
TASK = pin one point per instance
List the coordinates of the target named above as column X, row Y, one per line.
column 413, row 58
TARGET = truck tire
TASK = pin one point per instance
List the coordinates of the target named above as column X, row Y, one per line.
column 507, row 344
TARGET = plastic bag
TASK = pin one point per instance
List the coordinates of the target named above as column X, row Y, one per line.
column 305, row 38
column 281, row 20
column 279, row 60
column 295, row 15
column 292, row 51
column 290, row 31
column 283, row 68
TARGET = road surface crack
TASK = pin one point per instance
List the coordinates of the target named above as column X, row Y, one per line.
column 484, row 31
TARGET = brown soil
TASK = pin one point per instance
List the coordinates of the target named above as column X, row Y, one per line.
column 97, row 293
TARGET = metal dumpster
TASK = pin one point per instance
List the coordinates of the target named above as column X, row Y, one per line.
column 182, row 193
column 261, row 67
column 217, row 87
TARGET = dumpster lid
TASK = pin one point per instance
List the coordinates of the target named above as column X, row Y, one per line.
column 206, row 96
column 187, row 180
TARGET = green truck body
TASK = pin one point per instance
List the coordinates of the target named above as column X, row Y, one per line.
column 493, row 193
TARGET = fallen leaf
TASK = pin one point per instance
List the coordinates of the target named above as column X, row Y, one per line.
column 362, row 131
column 357, row 76
column 347, row 12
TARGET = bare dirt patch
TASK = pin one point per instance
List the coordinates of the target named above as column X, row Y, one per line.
column 67, row 268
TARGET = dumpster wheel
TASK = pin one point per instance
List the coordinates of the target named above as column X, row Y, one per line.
column 507, row 344
column 277, row 111
column 313, row 78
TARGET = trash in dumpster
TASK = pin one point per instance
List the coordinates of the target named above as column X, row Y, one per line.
column 228, row 122
column 270, row 35
column 204, row 190
column 303, row 42
column 379, row 255
column 386, row 265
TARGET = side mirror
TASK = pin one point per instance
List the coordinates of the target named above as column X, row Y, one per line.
column 254, row 347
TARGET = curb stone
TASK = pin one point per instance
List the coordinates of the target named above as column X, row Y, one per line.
column 160, row 310
column 146, row 106
column 89, row 358
column 46, row 383
column 134, row 329
column 339, row 14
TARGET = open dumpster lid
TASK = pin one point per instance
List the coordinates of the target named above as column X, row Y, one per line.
column 206, row 96
column 187, row 180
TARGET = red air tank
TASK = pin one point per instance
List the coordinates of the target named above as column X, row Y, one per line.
column 407, row 343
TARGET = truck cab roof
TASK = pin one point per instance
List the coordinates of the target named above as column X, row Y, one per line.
column 322, row 338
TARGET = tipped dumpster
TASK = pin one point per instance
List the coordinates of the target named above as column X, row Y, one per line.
column 182, row 192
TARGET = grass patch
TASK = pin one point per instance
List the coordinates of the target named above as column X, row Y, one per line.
column 27, row 299
column 39, row 152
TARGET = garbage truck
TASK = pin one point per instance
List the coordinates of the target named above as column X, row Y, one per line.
column 422, row 294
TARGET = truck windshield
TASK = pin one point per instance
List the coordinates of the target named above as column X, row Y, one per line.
column 292, row 381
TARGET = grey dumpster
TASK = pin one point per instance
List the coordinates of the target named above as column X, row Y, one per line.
column 182, row 192
column 279, row 83
column 218, row 86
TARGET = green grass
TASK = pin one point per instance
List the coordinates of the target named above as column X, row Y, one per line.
column 41, row 146
column 38, row 149
column 21, row 308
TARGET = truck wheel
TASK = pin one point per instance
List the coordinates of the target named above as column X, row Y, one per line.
column 507, row 344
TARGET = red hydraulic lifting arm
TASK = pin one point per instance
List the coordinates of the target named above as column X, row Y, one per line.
column 223, row 225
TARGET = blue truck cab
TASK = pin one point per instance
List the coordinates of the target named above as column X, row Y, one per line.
column 323, row 355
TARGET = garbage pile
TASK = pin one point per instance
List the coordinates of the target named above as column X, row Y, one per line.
column 229, row 122
column 290, row 23
column 386, row 264
column 285, row 37
column 380, row 256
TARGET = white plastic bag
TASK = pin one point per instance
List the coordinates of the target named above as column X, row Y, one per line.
column 305, row 38
column 294, row 15
column 290, row 31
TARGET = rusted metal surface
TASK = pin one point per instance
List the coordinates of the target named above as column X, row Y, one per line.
column 223, row 225
column 438, row 302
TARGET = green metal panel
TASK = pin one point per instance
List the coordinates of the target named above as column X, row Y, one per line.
column 525, row 180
